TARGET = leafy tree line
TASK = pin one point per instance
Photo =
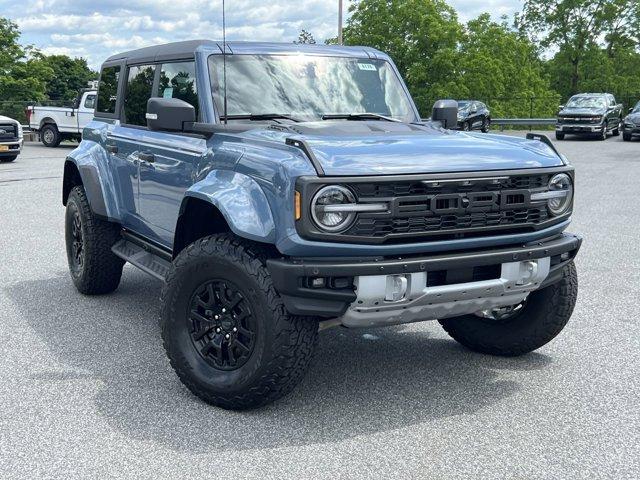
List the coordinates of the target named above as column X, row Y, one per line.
column 27, row 75
column 554, row 48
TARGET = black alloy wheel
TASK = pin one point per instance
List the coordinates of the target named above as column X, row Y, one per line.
column 77, row 242
column 223, row 328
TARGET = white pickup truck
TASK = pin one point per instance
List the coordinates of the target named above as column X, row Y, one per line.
column 56, row 124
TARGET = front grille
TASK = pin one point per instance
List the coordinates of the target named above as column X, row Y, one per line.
column 422, row 209
column 8, row 132
column 577, row 120
column 438, row 207
column 372, row 227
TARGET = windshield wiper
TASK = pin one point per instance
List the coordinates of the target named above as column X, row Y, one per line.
column 358, row 116
column 260, row 116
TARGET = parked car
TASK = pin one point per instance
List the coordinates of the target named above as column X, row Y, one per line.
column 590, row 114
column 11, row 139
column 473, row 115
column 307, row 193
column 631, row 124
column 55, row 124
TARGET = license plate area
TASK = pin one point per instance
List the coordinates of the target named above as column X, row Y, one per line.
column 4, row 148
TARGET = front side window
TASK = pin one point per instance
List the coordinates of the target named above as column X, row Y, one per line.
column 178, row 80
column 108, row 90
column 307, row 87
column 138, row 91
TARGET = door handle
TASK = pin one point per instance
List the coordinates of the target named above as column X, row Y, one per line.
column 147, row 157
column 111, row 148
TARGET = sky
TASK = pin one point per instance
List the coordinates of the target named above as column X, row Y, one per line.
column 97, row 29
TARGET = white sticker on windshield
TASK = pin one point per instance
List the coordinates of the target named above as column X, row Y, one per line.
column 367, row 66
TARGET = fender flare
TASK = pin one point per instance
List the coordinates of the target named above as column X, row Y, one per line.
column 240, row 200
column 94, row 174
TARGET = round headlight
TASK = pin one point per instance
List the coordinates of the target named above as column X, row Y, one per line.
column 560, row 204
column 326, row 208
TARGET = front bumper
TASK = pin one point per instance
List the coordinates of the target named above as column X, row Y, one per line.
column 579, row 128
column 293, row 279
column 10, row 148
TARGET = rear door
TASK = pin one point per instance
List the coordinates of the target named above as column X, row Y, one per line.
column 126, row 139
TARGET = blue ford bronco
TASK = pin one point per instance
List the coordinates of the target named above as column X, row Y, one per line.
column 277, row 189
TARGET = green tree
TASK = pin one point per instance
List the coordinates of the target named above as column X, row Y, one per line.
column 305, row 37
column 420, row 35
column 503, row 67
column 578, row 30
column 69, row 76
column 23, row 76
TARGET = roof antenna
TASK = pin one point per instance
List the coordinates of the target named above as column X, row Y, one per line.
column 224, row 62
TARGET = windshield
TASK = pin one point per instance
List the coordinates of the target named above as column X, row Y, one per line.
column 636, row 109
column 307, row 87
column 587, row 102
column 463, row 104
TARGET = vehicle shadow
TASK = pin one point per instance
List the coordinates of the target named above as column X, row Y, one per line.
column 361, row 382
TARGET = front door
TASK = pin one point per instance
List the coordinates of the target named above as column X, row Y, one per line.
column 166, row 161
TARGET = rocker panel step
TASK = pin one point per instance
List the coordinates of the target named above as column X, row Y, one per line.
column 139, row 257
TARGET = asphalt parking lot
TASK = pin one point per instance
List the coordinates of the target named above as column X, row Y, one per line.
column 87, row 392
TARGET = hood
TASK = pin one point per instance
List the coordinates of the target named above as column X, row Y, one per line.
column 387, row 148
column 7, row 119
column 579, row 112
column 633, row 117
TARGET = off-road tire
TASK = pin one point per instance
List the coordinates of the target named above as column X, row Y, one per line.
column 283, row 344
column 50, row 135
column 559, row 136
column 543, row 316
column 486, row 125
column 7, row 159
column 100, row 270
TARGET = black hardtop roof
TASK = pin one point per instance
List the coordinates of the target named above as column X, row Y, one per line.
column 169, row 51
column 186, row 50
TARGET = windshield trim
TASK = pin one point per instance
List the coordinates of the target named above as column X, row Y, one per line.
column 217, row 115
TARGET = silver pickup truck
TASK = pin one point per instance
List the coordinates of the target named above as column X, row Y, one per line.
column 55, row 124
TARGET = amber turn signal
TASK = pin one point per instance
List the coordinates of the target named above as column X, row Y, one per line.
column 298, row 206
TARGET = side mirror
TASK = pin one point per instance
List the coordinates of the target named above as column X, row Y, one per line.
column 631, row 110
column 445, row 112
column 169, row 114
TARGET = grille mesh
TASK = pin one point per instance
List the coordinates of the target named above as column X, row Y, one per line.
column 412, row 214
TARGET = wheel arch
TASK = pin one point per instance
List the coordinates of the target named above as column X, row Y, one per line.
column 224, row 201
column 85, row 170
column 70, row 179
column 48, row 121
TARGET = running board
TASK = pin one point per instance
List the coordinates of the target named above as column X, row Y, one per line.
column 145, row 260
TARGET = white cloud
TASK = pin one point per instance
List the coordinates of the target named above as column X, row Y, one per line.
column 95, row 30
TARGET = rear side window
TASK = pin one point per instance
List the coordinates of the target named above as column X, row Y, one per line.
column 138, row 91
column 178, row 80
column 108, row 90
